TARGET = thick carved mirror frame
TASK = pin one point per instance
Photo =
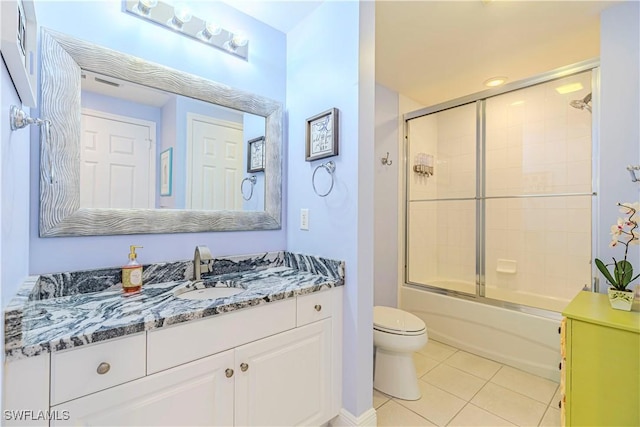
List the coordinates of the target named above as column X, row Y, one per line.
column 63, row 57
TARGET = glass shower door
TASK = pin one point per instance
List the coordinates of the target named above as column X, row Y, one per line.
column 441, row 203
column 538, row 194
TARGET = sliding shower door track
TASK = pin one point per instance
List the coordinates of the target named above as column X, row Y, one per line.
column 540, row 312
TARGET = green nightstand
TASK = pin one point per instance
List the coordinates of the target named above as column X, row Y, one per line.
column 602, row 366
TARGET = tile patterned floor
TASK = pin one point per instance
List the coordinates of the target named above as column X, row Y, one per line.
column 462, row 389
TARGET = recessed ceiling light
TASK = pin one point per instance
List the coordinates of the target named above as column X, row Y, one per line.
column 495, row 81
column 568, row 88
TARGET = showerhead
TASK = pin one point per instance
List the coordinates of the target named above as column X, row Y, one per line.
column 582, row 104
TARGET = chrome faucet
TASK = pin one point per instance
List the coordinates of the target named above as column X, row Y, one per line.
column 202, row 254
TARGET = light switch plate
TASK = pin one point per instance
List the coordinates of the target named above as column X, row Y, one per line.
column 304, row 219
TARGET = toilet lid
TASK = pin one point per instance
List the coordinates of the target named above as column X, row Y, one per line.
column 396, row 321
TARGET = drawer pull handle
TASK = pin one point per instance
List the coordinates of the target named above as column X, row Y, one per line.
column 559, row 329
column 103, row 368
column 560, row 404
column 228, row 373
column 244, row 367
column 318, row 307
column 560, row 366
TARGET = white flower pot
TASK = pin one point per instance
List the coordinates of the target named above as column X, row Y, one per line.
column 621, row 300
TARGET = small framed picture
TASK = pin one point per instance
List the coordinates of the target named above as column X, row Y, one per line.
column 255, row 155
column 322, row 135
column 166, row 166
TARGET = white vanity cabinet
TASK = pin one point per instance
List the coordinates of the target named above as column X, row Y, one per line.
column 275, row 364
column 285, row 380
column 197, row 393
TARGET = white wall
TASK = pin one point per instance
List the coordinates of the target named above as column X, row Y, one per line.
column 325, row 69
column 619, row 119
column 386, row 195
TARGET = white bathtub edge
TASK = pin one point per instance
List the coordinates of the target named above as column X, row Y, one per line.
column 521, row 340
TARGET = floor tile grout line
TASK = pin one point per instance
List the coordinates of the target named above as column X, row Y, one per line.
column 522, row 394
column 486, row 410
column 411, row 410
column 456, row 414
column 553, row 395
column 499, row 416
column 470, row 373
column 528, row 373
column 378, row 408
column 447, row 391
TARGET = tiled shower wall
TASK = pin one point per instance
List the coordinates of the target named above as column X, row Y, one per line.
column 536, row 144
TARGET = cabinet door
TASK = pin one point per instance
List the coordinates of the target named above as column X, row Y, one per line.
column 285, row 380
column 603, row 360
column 197, row 393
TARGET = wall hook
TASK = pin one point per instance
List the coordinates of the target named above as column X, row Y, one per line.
column 632, row 171
column 386, row 161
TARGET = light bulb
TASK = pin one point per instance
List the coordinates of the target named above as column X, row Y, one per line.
column 181, row 15
column 144, row 6
column 239, row 39
column 210, row 29
column 182, row 12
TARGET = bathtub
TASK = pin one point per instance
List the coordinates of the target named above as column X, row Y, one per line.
column 526, row 341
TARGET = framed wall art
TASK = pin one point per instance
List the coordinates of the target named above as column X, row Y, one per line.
column 166, row 171
column 18, row 36
column 322, row 135
column 255, row 155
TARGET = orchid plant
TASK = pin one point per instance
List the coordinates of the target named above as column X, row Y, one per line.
column 624, row 232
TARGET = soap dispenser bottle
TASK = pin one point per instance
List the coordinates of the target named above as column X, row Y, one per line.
column 132, row 273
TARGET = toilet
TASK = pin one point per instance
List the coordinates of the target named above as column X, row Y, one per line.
column 396, row 335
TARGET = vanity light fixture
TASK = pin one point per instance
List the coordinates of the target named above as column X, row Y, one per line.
column 179, row 18
column 495, row 81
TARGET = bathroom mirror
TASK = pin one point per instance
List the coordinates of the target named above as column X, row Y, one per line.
column 64, row 60
column 128, row 132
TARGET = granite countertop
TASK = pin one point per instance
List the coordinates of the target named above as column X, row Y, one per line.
column 59, row 322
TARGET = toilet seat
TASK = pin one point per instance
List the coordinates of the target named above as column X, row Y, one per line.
column 398, row 322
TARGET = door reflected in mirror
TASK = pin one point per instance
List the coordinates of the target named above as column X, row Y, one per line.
column 126, row 127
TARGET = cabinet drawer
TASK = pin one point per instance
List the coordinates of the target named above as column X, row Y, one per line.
column 313, row 307
column 172, row 346
column 85, row 370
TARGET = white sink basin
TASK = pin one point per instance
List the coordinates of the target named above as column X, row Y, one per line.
column 208, row 293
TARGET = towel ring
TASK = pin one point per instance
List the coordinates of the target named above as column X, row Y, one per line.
column 252, row 180
column 330, row 167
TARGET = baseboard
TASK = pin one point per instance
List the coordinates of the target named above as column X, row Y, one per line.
column 347, row 419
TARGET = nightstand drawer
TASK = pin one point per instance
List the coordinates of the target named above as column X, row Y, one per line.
column 313, row 307
column 87, row 369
